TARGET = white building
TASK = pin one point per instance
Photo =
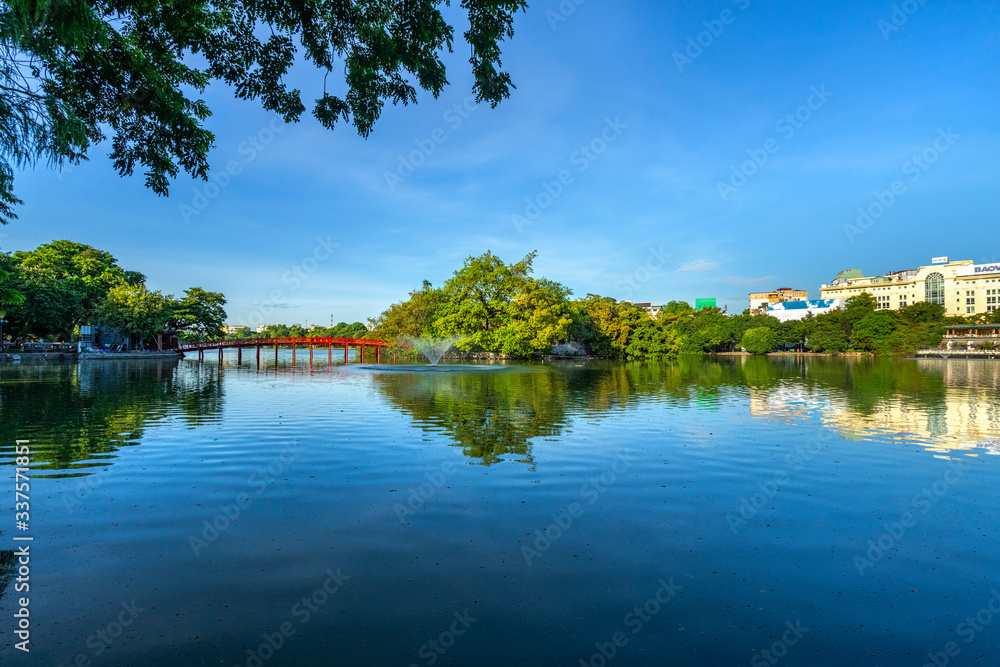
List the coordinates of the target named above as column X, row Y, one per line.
column 963, row 288
column 796, row 310
column 648, row 307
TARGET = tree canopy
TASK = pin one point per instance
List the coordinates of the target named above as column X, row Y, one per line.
column 75, row 72
column 66, row 284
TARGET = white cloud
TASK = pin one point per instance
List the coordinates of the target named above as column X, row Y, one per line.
column 698, row 265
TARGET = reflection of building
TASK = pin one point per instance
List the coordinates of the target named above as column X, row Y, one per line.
column 961, row 287
column 796, row 310
column 759, row 301
column 966, row 416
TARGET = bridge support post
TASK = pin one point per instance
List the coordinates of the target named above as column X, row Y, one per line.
column 331, row 353
column 346, row 347
column 378, row 354
column 258, row 356
column 275, row 356
column 362, row 352
column 293, row 355
column 220, row 355
column 239, row 355
column 310, row 354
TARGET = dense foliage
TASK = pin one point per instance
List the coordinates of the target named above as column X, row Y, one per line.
column 63, row 285
column 74, row 72
column 500, row 308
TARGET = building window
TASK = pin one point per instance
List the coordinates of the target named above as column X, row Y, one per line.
column 934, row 288
column 970, row 309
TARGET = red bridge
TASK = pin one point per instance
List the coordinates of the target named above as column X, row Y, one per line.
column 289, row 341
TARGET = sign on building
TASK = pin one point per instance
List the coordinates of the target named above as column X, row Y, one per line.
column 939, row 260
column 703, row 304
column 978, row 270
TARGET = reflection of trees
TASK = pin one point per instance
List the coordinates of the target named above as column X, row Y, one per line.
column 490, row 413
column 8, row 566
column 76, row 413
column 495, row 413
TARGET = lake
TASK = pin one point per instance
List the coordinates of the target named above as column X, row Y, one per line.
column 731, row 511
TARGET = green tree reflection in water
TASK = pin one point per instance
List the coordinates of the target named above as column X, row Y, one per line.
column 492, row 414
column 78, row 415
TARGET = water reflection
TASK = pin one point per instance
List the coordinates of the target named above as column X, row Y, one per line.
column 941, row 405
column 78, row 415
column 492, row 416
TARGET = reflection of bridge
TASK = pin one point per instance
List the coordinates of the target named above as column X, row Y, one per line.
column 288, row 341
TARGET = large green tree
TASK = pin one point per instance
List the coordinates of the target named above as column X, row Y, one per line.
column 77, row 268
column 759, row 340
column 135, row 311
column 411, row 318
column 75, row 72
column 198, row 315
column 478, row 298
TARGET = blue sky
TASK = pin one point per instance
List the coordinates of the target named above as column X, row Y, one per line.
column 806, row 111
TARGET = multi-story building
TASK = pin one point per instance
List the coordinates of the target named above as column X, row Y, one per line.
column 261, row 328
column 760, row 300
column 797, row 310
column 962, row 287
column 647, row 306
column 233, row 328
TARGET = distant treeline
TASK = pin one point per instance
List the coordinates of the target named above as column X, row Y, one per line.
column 501, row 308
column 341, row 330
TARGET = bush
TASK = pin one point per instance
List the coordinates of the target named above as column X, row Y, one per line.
column 759, row 340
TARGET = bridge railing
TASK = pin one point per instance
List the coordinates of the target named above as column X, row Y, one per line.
column 286, row 340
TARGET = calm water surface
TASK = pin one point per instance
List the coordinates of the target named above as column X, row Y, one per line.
column 684, row 513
